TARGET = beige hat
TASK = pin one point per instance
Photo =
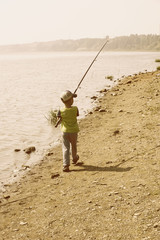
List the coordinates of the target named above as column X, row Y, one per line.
column 67, row 95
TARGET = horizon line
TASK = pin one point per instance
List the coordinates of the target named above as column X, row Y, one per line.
column 73, row 39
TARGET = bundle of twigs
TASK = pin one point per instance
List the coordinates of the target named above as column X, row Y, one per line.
column 52, row 117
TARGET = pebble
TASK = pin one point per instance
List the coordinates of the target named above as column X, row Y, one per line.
column 6, row 196
column 116, row 132
column 17, row 150
column 129, row 82
column 29, row 150
column 25, row 167
column 55, row 175
column 137, row 214
column 102, row 110
column 94, row 97
column 49, row 154
column 156, row 225
column 90, row 113
column 109, row 162
column 23, row 223
column 97, row 109
column 113, row 94
column 103, row 90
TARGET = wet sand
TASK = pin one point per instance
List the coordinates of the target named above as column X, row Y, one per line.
column 114, row 191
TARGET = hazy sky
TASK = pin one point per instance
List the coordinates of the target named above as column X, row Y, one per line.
column 24, row 21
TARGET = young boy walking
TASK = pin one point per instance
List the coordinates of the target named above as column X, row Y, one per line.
column 69, row 127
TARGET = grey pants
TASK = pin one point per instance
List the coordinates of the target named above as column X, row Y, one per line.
column 67, row 140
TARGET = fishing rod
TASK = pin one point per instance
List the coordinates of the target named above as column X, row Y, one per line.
column 90, row 66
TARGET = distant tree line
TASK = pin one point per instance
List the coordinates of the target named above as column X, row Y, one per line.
column 133, row 42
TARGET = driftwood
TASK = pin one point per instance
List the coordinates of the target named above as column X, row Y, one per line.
column 139, row 154
column 17, row 200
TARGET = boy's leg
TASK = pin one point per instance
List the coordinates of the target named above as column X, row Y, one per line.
column 66, row 149
column 73, row 140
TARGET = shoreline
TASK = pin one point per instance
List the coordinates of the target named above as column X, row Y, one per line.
column 116, row 185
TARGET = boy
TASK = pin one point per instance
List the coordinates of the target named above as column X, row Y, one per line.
column 69, row 127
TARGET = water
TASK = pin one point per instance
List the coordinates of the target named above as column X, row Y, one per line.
column 30, row 88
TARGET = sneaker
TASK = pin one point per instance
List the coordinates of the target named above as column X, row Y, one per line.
column 74, row 161
column 65, row 168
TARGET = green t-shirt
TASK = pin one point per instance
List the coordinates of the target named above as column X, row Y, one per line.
column 69, row 120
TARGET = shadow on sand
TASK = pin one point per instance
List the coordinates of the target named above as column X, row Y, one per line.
column 91, row 168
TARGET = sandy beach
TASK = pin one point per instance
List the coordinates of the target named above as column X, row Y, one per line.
column 114, row 191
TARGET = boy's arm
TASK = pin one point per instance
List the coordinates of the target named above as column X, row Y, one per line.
column 77, row 112
column 59, row 118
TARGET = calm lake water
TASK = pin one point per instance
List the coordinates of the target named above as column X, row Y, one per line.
column 30, row 85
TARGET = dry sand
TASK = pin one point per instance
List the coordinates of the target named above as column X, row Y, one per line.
column 115, row 194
